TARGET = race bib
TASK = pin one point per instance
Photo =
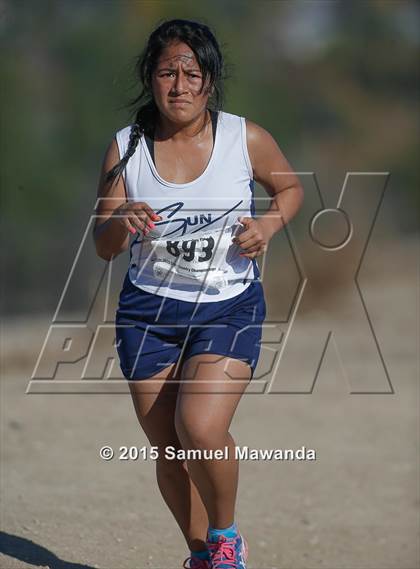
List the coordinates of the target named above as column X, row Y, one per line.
column 201, row 257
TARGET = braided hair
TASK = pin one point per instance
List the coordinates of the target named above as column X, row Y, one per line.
column 203, row 43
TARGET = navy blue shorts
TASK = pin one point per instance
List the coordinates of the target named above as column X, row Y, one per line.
column 152, row 331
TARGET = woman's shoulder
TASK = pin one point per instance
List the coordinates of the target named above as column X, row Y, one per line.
column 256, row 135
column 261, row 144
column 120, row 138
column 124, row 132
column 254, row 130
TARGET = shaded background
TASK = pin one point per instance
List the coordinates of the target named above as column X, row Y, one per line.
column 337, row 85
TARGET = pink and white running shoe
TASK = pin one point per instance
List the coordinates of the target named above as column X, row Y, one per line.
column 228, row 552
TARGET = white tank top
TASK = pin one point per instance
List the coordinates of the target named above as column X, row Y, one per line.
column 190, row 255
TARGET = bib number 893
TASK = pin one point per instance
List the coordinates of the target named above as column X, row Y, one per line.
column 188, row 249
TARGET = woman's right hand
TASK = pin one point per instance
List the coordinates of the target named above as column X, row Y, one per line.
column 136, row 216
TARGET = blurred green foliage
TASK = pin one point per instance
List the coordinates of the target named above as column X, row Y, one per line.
column 336, row 83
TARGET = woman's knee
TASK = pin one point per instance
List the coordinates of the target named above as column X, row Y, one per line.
column 197, row 433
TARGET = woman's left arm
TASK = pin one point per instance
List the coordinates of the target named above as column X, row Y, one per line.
column 274, row 173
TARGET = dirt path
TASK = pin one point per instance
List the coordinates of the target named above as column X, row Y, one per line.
column 355, row 507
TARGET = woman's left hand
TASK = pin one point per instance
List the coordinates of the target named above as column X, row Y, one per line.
column 254, row 239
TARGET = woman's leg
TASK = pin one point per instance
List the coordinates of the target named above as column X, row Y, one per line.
column 155, row 408
column 204, row 411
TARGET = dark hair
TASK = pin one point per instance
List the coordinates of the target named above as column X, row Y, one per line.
column 203, row 43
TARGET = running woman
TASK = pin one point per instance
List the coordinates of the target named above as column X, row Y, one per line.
column 179, row 180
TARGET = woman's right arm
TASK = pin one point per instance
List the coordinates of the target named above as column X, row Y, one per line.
column 116, row 218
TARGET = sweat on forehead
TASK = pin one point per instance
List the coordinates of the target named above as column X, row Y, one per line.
column 186, row 57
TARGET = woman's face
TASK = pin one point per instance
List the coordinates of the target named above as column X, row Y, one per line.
column 176, row 84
